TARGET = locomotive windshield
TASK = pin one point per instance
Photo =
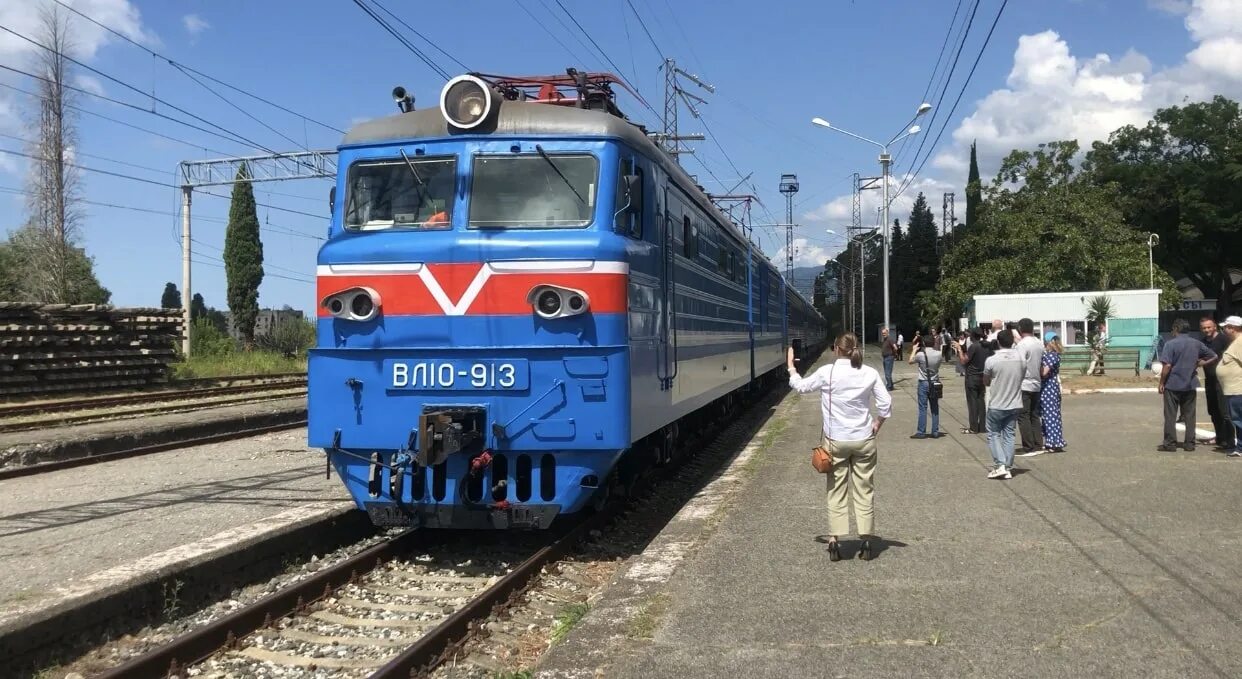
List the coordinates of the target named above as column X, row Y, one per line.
column 406, row 192
column 533, row 191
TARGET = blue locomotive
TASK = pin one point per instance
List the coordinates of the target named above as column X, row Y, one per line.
column 520, row 291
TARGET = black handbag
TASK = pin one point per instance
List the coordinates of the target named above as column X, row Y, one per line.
column 935, row 388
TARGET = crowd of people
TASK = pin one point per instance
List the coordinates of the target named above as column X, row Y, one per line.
column 1013, row 394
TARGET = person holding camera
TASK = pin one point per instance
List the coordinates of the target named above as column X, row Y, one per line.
column 930, row 389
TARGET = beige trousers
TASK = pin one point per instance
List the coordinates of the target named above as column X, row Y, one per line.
column 853, row 464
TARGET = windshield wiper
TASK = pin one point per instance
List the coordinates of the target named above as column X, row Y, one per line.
column 414, row 172
column 545, row 156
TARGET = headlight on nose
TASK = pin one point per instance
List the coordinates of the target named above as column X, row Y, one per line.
column 354, row 304
column 554, row 301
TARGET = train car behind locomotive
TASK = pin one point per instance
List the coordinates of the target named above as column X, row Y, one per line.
column 519, row 289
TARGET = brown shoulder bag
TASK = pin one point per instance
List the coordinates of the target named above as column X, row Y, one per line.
column 821, row 459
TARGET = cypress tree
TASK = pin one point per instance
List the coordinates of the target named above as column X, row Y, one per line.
column 974, row 190
column 198, row 307
column 243, row 258
column 171, row 299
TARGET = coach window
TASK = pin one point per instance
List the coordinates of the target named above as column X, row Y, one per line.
column 689, row 238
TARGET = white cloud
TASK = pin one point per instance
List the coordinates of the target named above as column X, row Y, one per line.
column 24, row 17
column 838, row 213
column 806, row 253
column 194, row 24
column 1052, row 94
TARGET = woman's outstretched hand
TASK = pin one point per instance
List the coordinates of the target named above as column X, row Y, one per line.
column 789, row 359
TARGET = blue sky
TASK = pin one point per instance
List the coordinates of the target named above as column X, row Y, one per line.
column 863, row 65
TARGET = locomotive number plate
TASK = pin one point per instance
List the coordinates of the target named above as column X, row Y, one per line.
column 458, row 375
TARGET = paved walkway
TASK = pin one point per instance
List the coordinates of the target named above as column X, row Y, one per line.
column 1108, row 560
column 58, row 528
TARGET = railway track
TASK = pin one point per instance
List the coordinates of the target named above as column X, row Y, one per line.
column 258, row 383
column 394, row 611
column 385, row 612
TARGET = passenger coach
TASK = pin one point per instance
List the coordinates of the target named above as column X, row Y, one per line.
column 520, row 290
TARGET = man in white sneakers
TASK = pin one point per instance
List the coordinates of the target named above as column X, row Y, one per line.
column 1003, row 373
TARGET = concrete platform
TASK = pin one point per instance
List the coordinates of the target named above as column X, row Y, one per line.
column 1108, row 560
column 73, row 538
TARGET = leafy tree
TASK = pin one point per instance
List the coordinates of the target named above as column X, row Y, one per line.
column 974, row 189
column 1044, row 227
column 171, row 299
column 208, row 340
column 243, row 257
column 198, row 307
column 26, row 252
column 1179, row 177
column 924, row 262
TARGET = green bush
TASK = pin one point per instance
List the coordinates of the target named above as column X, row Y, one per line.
column 208, row 340
column 290, row 339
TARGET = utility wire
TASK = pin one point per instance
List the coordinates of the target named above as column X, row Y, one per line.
column 127, row 85
column 948, row 80
column 645, row 30
column 405, row 42
column 552, row 33
column 956, row 101
column 154, row 182
column 118, row 102
column 427, row 40
column 88, row 155
column 619, row 72
column 243, row 111
column 179, row 65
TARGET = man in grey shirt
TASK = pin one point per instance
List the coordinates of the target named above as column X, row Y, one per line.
column 1032, row 352
column 1003, row 373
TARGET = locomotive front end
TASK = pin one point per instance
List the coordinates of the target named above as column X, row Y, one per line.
column 471, row 369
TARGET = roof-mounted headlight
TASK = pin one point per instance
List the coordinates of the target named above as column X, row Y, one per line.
column 467, row 101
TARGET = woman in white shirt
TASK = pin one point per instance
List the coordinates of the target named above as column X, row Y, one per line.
column 848, row 391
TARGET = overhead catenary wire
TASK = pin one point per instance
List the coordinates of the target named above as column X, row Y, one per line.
column 405, row 42
column 617, row 69
column 941, row 84
column 425, row 39
column 958, row 100
column 238, row 137
column 195, row 71
column 155, row 182
column 970, row 20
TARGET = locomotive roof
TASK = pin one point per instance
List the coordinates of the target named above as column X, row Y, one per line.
column 526, row 118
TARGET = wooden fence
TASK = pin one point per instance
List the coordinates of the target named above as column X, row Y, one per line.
column 66, row 350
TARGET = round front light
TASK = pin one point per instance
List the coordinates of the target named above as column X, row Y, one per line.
column 336, row 306
column 466, row 101
column 548, row 303
column 361, row 305
column 576, row 302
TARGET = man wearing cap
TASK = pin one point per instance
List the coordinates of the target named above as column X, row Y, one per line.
column 1229, row 374
column 1182, row 356
column 1217, row 409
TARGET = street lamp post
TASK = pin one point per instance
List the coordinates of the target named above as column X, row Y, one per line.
column 1152, row 240
column 885, row 167
column 861, row 241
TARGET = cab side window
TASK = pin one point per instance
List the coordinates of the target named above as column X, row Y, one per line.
column 629, row 218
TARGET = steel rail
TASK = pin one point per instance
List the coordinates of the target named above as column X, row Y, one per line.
column 30, row 470
column 181, row 405
column 21, row 409
column 201, row 643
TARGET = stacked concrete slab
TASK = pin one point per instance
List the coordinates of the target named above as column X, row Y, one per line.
column 68, row 349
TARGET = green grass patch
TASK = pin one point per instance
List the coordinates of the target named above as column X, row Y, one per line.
column 565, row 620
column 517, row 674
column 643, row 625
column 237, row 363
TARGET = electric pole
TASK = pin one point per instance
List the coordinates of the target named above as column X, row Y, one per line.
column 670, row 140
column 789, row 186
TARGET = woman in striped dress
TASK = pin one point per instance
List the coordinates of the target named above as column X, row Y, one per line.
column 1050, row 393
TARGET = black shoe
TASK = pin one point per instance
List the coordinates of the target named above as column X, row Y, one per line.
column 834, row 551
column 1189, row 447
column 1167, row 448
column 918, row 436
column 864, row 552
column 935, row 435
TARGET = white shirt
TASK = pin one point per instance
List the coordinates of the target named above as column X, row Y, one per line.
column 846, row 396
